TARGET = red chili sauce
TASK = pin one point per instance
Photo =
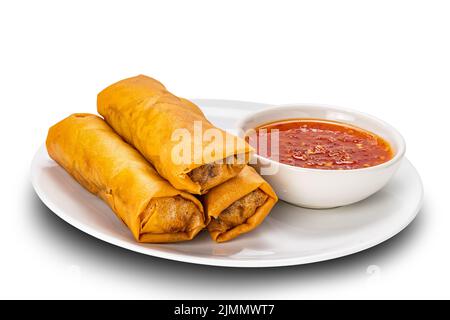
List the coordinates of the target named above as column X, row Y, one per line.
column 320, row 144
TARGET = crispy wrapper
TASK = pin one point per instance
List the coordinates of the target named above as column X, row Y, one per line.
column 238, row 205
column 158, row 124
column 91, row 152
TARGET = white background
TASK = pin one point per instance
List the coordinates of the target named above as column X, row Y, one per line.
column 388, row 58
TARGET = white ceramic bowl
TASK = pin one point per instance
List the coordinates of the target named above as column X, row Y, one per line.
column 320, row 189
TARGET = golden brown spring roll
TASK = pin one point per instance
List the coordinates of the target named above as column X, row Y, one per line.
column 89, row 150
column 238, row 205
column 159, row 124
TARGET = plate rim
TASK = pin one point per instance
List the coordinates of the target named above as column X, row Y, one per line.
column 218, row 261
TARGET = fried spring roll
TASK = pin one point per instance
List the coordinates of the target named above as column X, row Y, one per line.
column 149, row 117
column 238, row 205
column 89, row 150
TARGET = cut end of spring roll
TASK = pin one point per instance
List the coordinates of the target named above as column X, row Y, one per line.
column 170, row 219
column 239, row 205
column 212, row 174
column 238, row 212
column 92, row 153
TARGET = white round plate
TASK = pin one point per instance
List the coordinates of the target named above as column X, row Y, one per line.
column 289, row 236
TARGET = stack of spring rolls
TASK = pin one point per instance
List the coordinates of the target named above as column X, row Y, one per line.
column 146, row 159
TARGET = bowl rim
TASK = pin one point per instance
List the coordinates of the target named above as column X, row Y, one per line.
column 399, row 154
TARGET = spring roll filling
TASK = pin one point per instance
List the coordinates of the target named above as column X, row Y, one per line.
column 171, row 215
column 207, row 173
column 238, row 213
